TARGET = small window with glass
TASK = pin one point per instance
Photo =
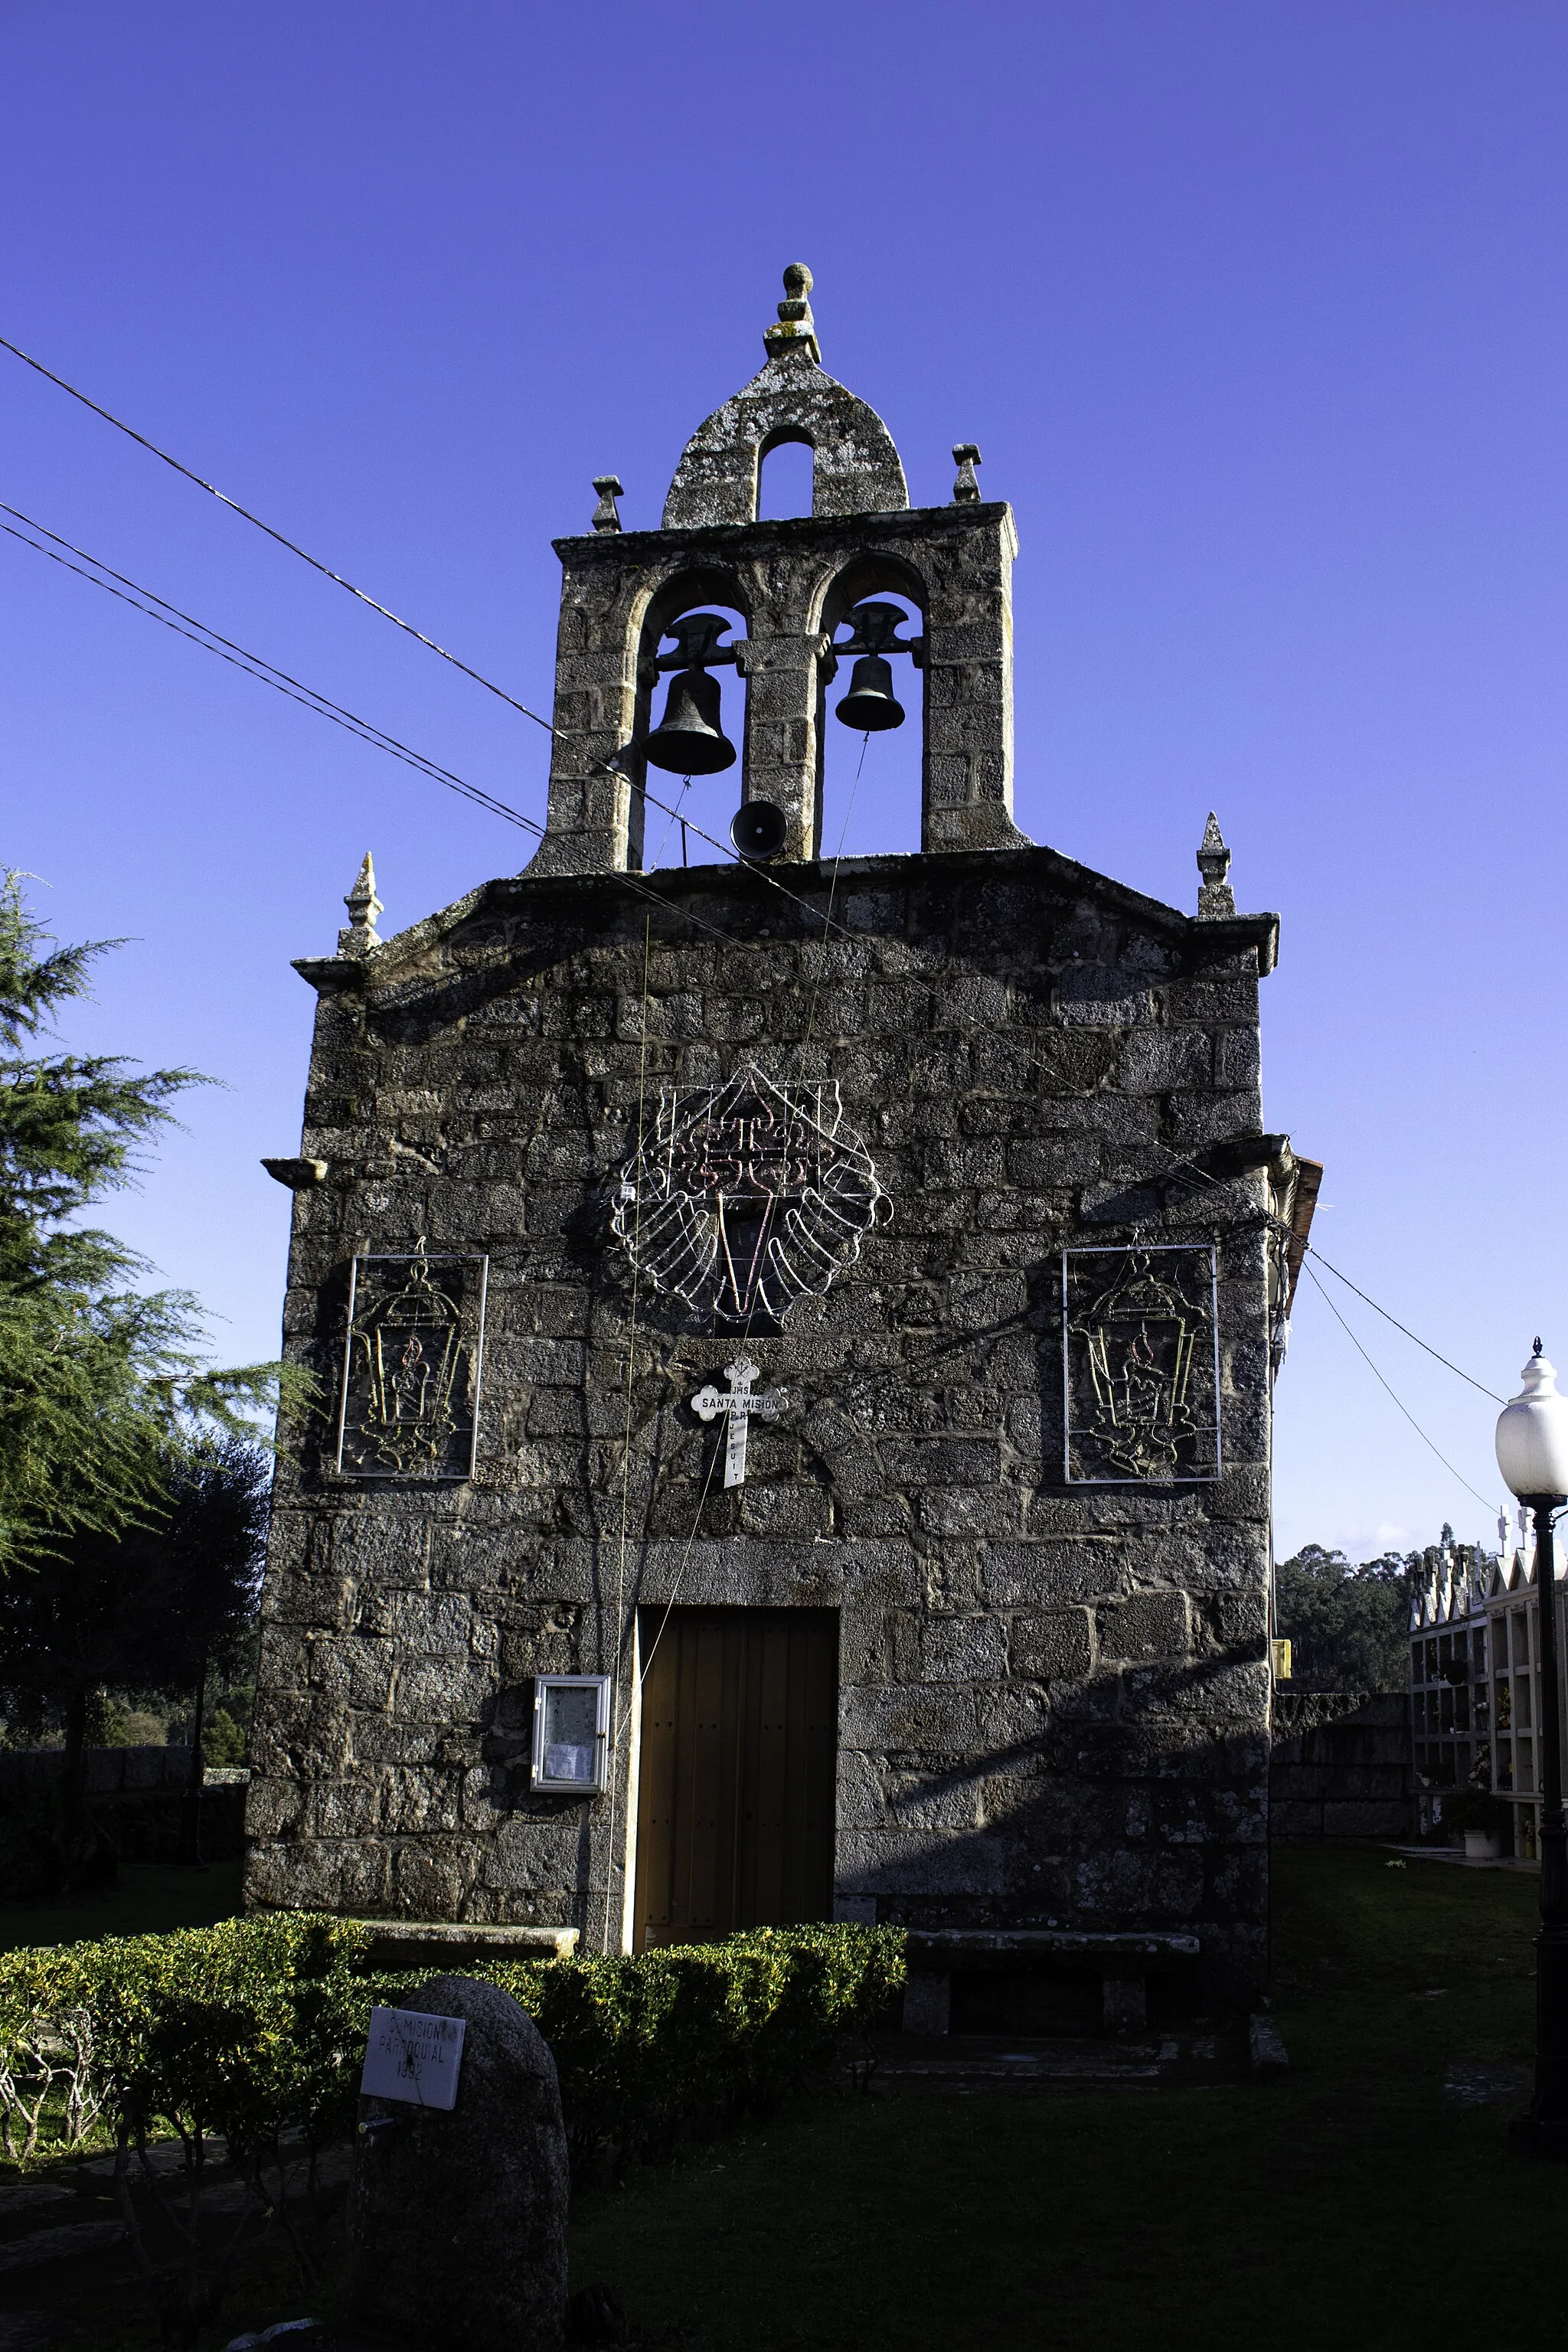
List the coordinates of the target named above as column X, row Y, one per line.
column 571, row 1733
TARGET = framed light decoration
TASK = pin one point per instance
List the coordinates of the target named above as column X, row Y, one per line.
column 742, row 1197
column 413, row 1359
column 1141, row 1364
column 571, row 1733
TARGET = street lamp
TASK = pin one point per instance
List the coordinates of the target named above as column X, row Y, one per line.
column 1532, row 1454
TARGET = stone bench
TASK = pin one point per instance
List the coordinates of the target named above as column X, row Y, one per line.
column 1124, row 1963
column 444, row 1944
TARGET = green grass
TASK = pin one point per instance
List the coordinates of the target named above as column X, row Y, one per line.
column 1346, row 2205
column 148, row 1897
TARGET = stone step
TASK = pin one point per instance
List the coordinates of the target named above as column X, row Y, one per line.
column 958, row 2065
column 31, row 2197
column 59, row 2245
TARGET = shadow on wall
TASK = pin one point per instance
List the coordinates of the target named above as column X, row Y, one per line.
column 1341, row 1767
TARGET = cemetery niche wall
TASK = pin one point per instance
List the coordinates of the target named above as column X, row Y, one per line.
column 824, row 1310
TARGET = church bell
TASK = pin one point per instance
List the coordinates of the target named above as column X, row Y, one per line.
column 688, row 739
column 870, row 704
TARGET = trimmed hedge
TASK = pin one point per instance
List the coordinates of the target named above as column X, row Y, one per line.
column 257, row 2026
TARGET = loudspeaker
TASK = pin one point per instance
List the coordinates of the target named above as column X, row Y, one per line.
column 758, row 829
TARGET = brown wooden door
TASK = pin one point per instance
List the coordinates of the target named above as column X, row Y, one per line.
column 739, row 1740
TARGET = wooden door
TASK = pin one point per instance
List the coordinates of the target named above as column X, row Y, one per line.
column 740, row 1740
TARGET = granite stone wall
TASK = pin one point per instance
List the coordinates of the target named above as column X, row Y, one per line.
column 1342, row 1766
column 1053, row 1699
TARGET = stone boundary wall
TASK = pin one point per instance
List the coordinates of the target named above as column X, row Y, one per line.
column 111, row 1772
column 137, row 1798
column 1340, row 1767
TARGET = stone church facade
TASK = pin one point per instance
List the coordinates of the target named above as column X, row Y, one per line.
column 796, row 1336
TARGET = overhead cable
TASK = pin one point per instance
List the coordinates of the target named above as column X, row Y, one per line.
column 293, row 547
column 1485, row 1502
column 185, row 624
column 1331, row 1268
column 1311, row 1248
column 266, row 672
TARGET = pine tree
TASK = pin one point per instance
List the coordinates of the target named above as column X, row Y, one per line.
column 100, row 1382
column 153, row 1608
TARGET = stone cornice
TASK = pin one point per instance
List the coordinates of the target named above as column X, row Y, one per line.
column 741, row 888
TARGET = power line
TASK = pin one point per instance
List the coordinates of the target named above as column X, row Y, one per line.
column 267, row 674
column 292, row 545
column 1398, row 1326
column 607, row 766
column 240, row 657
column 1312, row 1248
column 258, row 670
column 1410, row 1417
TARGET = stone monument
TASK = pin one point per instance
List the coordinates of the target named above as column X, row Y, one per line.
column 458, row 2220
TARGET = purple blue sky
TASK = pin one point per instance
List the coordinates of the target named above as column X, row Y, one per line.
column 1257, row 314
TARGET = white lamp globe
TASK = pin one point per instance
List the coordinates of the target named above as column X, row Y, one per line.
column 1532, row 1433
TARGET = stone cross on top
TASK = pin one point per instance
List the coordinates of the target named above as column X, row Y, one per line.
column 738, row 1402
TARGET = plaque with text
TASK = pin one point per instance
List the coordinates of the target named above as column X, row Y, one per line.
column 414, row 2057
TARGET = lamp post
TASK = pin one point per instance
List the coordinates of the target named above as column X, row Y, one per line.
column 1532, row 1454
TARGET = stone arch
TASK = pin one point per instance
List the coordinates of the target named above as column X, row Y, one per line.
column 788, row 436
column 687, row 590
column 856, row 468
column 875, row 572
column 872, row 573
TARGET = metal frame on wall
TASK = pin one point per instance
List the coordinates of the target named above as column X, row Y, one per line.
column 420, row 1409
column 545, row 1774
column 1132, row 1350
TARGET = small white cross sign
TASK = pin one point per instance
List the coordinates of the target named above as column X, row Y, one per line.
column 740, row 1403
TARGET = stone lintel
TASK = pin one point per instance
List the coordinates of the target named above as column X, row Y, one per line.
column 699, row 544
column 428, row 1943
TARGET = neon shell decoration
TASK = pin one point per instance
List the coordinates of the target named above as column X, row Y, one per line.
column 746, row 1197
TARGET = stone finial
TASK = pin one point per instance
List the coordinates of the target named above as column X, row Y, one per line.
column 796, row 329
column 605, row 516
column 965, row 457
column 1216, row 897
column 364, row 906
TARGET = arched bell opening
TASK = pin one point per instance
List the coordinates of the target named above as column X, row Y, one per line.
column 686, row 750
column 871, row 712
column 786, row 474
